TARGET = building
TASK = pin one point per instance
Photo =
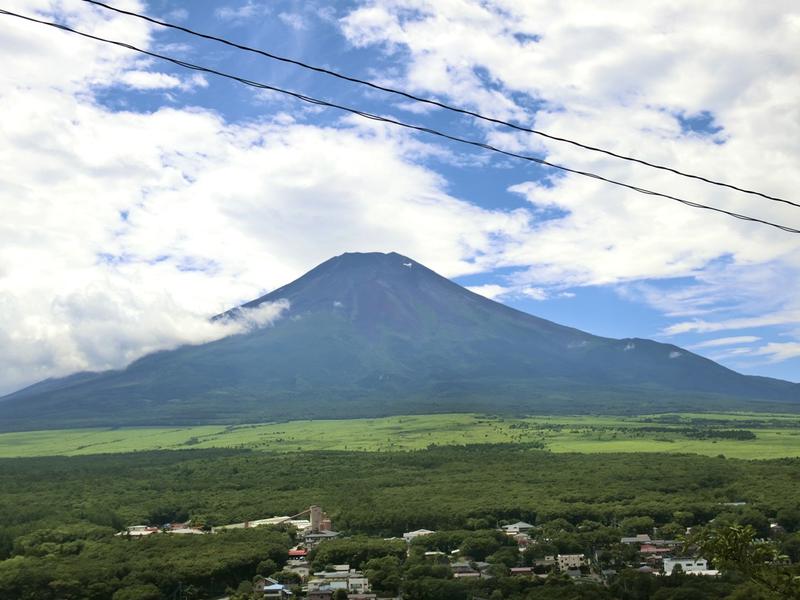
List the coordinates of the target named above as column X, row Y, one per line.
column 298, row 554
column 692, row 566
column 410, row 535
column 139, row 530
column 312, row 539
column 464, row 569
column 341, row 578
column 641, row 538
column 567, row 562
column 518, row 527
column 653, row 549
column 270, row 588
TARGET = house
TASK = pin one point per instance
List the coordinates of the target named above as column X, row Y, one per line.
column 312, row 539
column 461, row 566
column 410, row 535
column 521, row 571
column 523, row 540
column 139, row 530
column 776, row 529
column 641, row 538
column 653, row 549
column 543, row 565
column 319, row 595
column 300, row 568
column 187, row 531
column 462, row 569
column 270, row 588
column 518, row 527
column 692, row 566
column 567, row 562
column 298, row 554
column 341, row 578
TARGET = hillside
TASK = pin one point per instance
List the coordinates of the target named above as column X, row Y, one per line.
column 376, row 334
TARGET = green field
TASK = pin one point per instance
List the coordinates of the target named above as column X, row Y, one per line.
column 776, row 436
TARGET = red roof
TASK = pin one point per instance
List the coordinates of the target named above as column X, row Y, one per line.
column 298, row 552
column 652, row 549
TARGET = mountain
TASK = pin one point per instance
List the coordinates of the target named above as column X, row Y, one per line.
column 376, row 334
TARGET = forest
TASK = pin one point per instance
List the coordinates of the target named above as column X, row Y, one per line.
column 58, row 515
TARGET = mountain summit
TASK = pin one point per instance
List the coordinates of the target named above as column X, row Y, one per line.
column 375, row 334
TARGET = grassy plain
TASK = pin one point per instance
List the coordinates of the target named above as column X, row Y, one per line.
column 777, row 436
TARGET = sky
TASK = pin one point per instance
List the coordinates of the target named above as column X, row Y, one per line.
column 138, row 198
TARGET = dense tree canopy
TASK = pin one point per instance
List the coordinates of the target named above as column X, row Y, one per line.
column 58, row 517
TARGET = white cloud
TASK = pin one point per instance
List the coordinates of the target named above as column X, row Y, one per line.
column 779, row 351
column 177, row 14
column 726, row 341
column 293, row 20
column 535, row 293
column 149, row 80
column 491, row 290
column 703, row 326
column 248, row 319
column 241, row 12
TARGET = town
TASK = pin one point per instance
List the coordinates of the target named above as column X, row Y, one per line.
column 370, row 568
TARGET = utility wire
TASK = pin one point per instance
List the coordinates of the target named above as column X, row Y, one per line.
column 432, row 102
column 375, row 117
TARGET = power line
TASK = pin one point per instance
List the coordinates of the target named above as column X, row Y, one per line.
column 438, row 104
column 375, row 117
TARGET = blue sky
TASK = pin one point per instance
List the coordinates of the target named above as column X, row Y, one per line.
column 141, row 198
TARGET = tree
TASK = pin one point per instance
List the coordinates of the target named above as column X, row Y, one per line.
column 735, row 548
column 267, row 567
column 634, row 525
column 505, row 556
column 684, row 517
column 145, row 591
column 789, row 518
column 384, row 574
column 671, row 530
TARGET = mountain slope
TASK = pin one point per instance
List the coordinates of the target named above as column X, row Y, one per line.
column 373, row 334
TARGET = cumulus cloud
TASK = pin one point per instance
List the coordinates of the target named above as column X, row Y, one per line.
column 249, row 319
column 490, row 290
column 150, row 80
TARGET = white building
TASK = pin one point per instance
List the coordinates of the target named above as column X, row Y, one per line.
column 693, row 566
column 518, row 527
column 410, row 535
column 341, row 578
column 139, row 530
column 570, row 561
